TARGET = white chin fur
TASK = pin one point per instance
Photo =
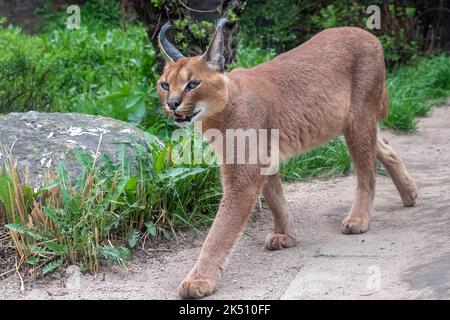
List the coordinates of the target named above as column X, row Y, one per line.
column 201, row 111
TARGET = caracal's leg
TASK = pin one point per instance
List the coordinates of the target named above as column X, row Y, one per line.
column 394, row 165
column 361, row 141
column 240, row 193
column 284, row 234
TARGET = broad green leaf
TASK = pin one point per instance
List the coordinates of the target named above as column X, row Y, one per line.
column 115, row 252
column 176, row 174
column 151, row 228
column 160, row 160
column 56, row 247
column 140, row 108
column 131, row 184
column 33, row 260
column 134, row 238
column 51, row 266
column 50, row 185
column 24, row 230
column 5, row 185
column 63, row 177
column 28, row 195
column 39, row 250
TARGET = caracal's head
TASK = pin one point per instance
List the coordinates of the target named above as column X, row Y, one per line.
column 192, row 88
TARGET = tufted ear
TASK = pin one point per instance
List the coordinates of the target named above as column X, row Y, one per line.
column 214, row 54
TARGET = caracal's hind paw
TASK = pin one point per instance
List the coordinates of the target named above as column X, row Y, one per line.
column 355, row 224
column 278, row 241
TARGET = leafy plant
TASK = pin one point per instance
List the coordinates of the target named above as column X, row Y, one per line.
column 105, row 211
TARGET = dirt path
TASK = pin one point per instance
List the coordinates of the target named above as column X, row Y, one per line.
column 405, row 254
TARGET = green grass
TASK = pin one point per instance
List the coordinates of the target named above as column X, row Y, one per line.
column 414, row 89
column 325, row 161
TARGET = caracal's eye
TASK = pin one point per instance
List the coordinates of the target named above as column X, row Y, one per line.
column 165, row 86
column 192, row 85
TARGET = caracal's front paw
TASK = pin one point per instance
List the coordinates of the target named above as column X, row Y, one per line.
column 278, row 241
column 409, row 196
column 196, row 287
column 355, row 224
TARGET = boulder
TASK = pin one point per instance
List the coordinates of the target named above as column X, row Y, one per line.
column 39, row 141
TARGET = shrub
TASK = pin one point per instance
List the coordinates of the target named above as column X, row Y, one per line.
column 23, row 85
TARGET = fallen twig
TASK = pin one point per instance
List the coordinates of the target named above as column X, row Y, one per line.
column 22, row 285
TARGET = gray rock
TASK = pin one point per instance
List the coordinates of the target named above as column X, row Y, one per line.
column 39, row 141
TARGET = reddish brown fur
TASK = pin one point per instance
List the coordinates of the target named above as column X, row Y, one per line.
column 331, row 85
